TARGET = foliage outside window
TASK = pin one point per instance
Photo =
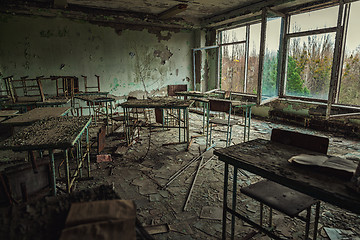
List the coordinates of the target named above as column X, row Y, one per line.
column 310, row 57
column 235, row 76
column 350, row 79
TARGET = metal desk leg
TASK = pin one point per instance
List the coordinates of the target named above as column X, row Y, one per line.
column 88, row 150
column 179, row 122
column 80, row 156
column 187, row 127
column 226, row 176
column 249, row 123
column 204, row 112
column 207, row 125
column 67, row 172
column 52, row 166
column 107, row 117
column 316, row 222
column 234, row 203
column 245, row 123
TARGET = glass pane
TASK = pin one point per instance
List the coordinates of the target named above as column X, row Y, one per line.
column 313, row 20
column 269, row 74
column 350, row 82
column 233, row 67
column 309, row 65
column 253, row 64
column 233, row 35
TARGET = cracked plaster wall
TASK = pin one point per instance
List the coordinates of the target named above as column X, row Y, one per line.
column 130, row 61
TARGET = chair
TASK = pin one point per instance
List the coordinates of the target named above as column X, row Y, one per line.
column 170, row 117
column 225, row 106
column 284, row 199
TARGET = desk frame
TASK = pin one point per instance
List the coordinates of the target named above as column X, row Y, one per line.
column 323, row 187
column 185, row 112
column 80, row 156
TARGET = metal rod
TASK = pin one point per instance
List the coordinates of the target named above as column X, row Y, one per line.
column 193, row 184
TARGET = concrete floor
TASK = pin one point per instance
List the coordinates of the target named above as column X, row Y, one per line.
column 141, row 172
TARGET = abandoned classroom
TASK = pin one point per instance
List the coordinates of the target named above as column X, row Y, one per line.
column 179, row 119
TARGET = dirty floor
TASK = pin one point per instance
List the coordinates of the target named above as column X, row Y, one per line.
column 141, row 171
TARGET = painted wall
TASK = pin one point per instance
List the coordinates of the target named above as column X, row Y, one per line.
column 128, row 61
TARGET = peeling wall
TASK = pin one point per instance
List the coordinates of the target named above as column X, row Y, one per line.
column 127, row 61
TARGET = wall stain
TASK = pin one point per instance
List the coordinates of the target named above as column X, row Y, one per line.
column 163, row 55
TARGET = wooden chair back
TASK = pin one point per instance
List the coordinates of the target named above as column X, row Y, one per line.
column 172, row 89
column 301, row 140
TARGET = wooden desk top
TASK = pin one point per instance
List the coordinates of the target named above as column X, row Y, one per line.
column 157, row 102
column 8, row 113
column 270, row 160
column 50, row 133
column 37, row 114
column 95, row 98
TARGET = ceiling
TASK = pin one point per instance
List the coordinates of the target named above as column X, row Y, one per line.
column 198, row 13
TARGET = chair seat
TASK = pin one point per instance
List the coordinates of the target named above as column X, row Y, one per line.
column 279, row 197
column 121, row 118
column 223, row 121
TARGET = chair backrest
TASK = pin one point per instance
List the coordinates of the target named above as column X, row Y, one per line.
column 219, row 105
column 301, row 140
column 172, row 89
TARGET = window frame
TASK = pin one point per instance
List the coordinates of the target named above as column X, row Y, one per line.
column 340, row 31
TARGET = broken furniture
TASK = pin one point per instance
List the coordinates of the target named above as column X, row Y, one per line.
column 69, row 85
column 106, row 219
column 19, row 181
column 86, row 87
column 63, row 133
column 269, row 159
column 160, row 103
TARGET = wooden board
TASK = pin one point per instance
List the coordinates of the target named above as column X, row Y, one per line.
column 8, row 113
column 270, row 160
column 36, row 114
column 50, row 133
column 157, row 102
column 95, row 98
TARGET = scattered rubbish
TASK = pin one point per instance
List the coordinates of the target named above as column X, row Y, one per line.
column 183, row 228
column 103, row 158
column 121, row 150
column 340, row 234
column 156, row 229
column 209, row 212
column 155, row 197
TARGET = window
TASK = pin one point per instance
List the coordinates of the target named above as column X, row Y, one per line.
column 350, row 80
column 312, row 56
column 310, row 52
column 239, row 58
